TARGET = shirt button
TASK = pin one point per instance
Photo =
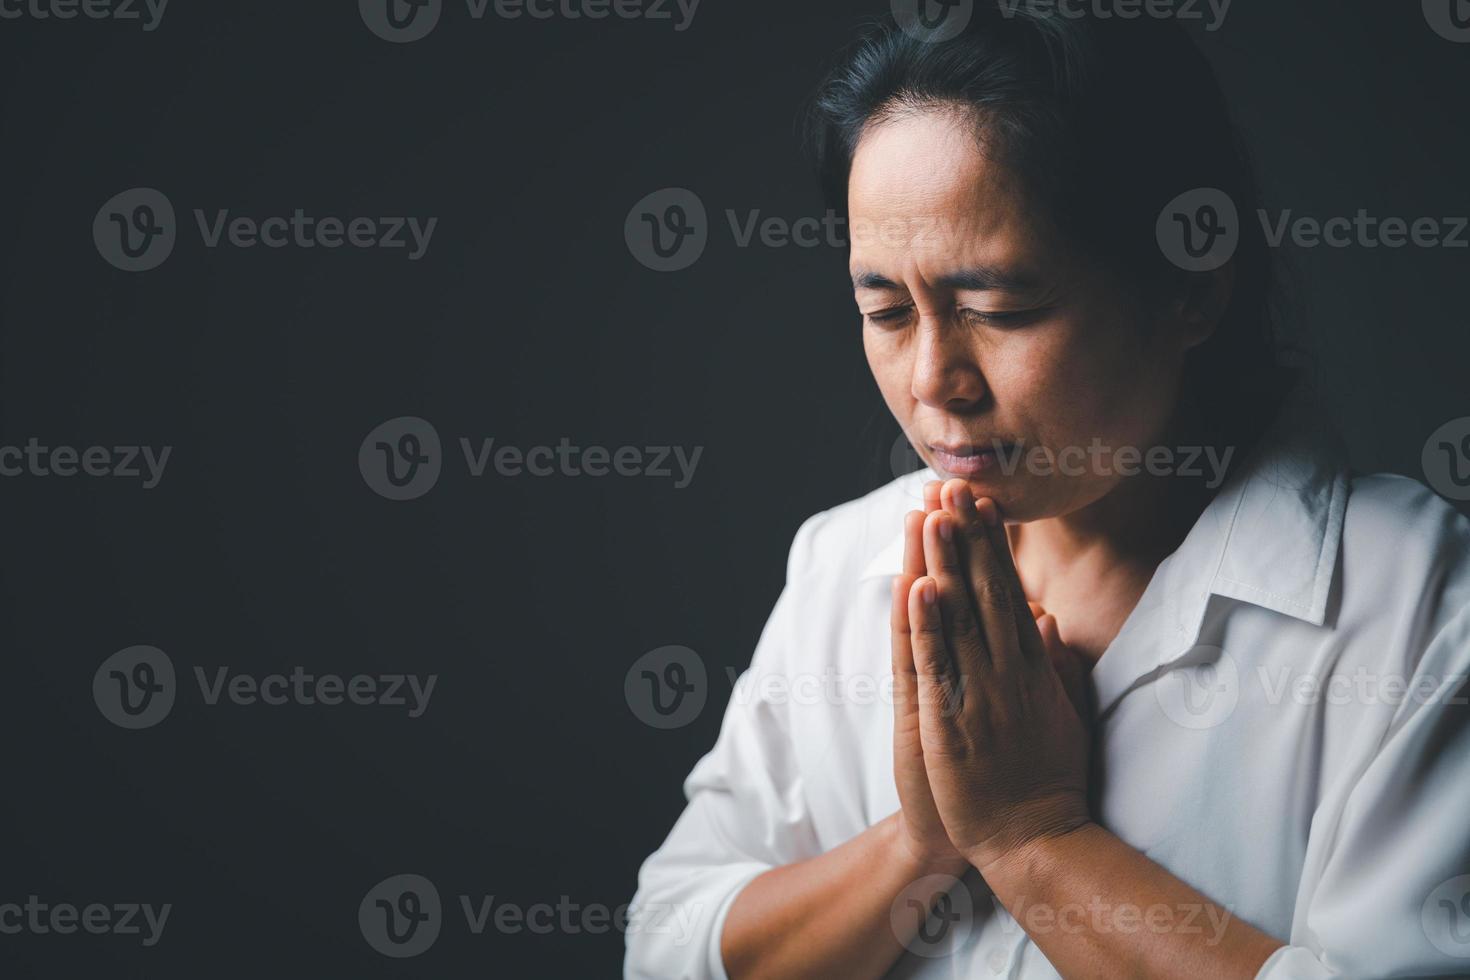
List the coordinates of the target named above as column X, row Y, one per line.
column 998, row 960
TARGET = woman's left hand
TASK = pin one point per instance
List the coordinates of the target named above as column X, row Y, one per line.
column 1005, row 748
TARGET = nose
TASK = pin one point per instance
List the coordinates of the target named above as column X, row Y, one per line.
column 946, row 374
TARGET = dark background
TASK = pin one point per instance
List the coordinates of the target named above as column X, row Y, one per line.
column 529, row 777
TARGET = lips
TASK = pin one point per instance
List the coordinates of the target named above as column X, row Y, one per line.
column 965, row 459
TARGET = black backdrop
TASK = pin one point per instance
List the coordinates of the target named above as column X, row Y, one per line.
column 262, row 548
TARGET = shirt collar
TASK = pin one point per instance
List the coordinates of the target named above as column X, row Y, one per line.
column 1271, row 535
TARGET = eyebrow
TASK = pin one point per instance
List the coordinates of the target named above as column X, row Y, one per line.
column 978, row 278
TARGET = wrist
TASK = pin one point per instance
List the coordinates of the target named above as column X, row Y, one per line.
column 919, row 861
column 1027, row 851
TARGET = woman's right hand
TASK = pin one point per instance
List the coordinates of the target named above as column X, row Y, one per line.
column 920, row 829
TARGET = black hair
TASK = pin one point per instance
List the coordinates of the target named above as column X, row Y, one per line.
column 1104, row 122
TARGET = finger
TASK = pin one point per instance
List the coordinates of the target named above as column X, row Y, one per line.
column 1005, row 568
column 931, row 495
column 905, row 680
column 990, row 520
column 995, row 598
column 933, row 668
column 956, row 606
column 903, row 654
column 913, row 545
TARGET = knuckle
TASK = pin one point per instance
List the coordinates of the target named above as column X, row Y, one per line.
column 995, row 594
column 962, row 616
column 930, row 629
column 963, row 620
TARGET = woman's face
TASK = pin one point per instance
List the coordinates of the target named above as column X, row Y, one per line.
column 981, row 329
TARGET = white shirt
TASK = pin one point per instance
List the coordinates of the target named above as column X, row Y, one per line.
column 1281, row 724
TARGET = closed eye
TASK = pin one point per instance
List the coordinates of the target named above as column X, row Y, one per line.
column 1003, row 318
column 889, row 317
column 996, row 318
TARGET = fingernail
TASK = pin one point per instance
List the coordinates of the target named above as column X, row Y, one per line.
column 928, row 593
column 946, row 529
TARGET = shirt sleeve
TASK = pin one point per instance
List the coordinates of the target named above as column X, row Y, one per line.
column 746, row 814
column 1390, row 896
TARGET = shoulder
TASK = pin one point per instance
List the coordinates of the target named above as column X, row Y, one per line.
column 858, row 537
column 1404, row 528
column 1405, row 569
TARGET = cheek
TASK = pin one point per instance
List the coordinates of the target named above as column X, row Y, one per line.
column 1030, row 375
column 890, row 367
column 1096, row 379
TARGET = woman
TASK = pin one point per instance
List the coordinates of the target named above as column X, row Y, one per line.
column 1146, row 719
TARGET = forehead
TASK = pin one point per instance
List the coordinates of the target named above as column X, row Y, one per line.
column 923, row 189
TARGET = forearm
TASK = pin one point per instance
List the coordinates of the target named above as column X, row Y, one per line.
column 1098, row 908
column 829, row 916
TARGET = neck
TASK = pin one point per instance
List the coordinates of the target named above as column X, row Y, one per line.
column 1107, row 551
column 1139, row 523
